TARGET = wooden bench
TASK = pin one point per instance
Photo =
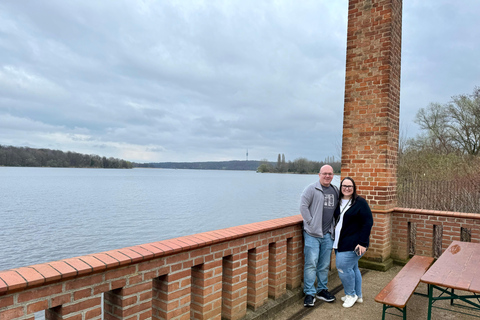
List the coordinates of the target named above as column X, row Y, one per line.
column 398, row 291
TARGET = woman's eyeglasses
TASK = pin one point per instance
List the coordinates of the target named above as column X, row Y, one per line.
column 347, row 187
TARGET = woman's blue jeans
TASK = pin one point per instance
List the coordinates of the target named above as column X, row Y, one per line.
column 347, row 267
column 317, row 253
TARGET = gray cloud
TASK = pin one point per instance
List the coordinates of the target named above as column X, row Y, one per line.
column 155, row 81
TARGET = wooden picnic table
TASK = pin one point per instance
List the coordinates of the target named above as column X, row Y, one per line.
column 458, row 268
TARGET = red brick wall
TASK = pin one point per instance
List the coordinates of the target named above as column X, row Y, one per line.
column 425, row 220
column 211, row 275
column 371, row 111
column 380, row 237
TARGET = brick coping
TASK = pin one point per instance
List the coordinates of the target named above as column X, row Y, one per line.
column 430, row 212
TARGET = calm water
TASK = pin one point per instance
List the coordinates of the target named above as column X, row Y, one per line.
column 48, row 214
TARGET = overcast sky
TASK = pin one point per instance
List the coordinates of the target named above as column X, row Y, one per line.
column 156, row 81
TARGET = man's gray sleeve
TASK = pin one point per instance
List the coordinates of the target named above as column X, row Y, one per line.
column 305, row 202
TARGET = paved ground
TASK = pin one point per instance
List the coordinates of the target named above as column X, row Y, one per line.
column 373, row 283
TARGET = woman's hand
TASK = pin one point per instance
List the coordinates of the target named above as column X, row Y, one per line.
column 361, row 250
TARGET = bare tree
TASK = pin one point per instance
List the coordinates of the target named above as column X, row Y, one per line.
column 451, row 127
column 434, row 121
column 465, row 121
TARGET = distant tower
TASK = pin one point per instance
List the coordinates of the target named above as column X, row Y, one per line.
column 247, row 154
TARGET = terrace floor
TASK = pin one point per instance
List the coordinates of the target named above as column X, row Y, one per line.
column 373, row 283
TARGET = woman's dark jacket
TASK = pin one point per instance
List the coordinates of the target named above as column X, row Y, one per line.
column 357, row 224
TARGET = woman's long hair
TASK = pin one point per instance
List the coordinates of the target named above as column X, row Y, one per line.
column 354, row 194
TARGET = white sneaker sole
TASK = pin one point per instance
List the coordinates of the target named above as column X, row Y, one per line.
column 325, row 299
column 359, row 300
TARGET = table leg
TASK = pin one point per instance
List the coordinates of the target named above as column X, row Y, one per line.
column 451, row 301
column 430, row 301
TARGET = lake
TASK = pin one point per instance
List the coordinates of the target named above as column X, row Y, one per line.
column 49, row 214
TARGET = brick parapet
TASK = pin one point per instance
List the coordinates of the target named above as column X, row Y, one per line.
column 424, row 221
column 181, row 278
column 218, row 278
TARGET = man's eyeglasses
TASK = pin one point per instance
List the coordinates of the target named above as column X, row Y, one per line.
column 347, row 187
column 326, row 174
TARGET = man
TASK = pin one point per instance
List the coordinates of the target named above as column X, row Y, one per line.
column 317, row 206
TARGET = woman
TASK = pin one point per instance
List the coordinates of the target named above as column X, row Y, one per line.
column 353, row 222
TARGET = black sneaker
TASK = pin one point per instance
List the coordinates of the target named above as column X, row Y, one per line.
column 325, row 296
column 309, row 301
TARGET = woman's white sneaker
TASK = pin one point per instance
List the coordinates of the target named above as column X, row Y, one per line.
column 350, row 301
column 359, row 300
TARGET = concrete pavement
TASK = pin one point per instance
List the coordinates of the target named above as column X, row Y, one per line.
column 373, row 283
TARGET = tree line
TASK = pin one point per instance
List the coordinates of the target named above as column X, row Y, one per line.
column 208, row 165
column 300, row 165
column 30, row 157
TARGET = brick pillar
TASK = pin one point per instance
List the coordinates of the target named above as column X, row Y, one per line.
column 257, row 283
column 294, row 262
column 130, row 302
column 171, row 296
column 207, row 291
column 372, row 105
column 277, row 269
column 235, row 286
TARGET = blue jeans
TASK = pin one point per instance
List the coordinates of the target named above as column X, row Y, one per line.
column 347, row 267
column 317, row 252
